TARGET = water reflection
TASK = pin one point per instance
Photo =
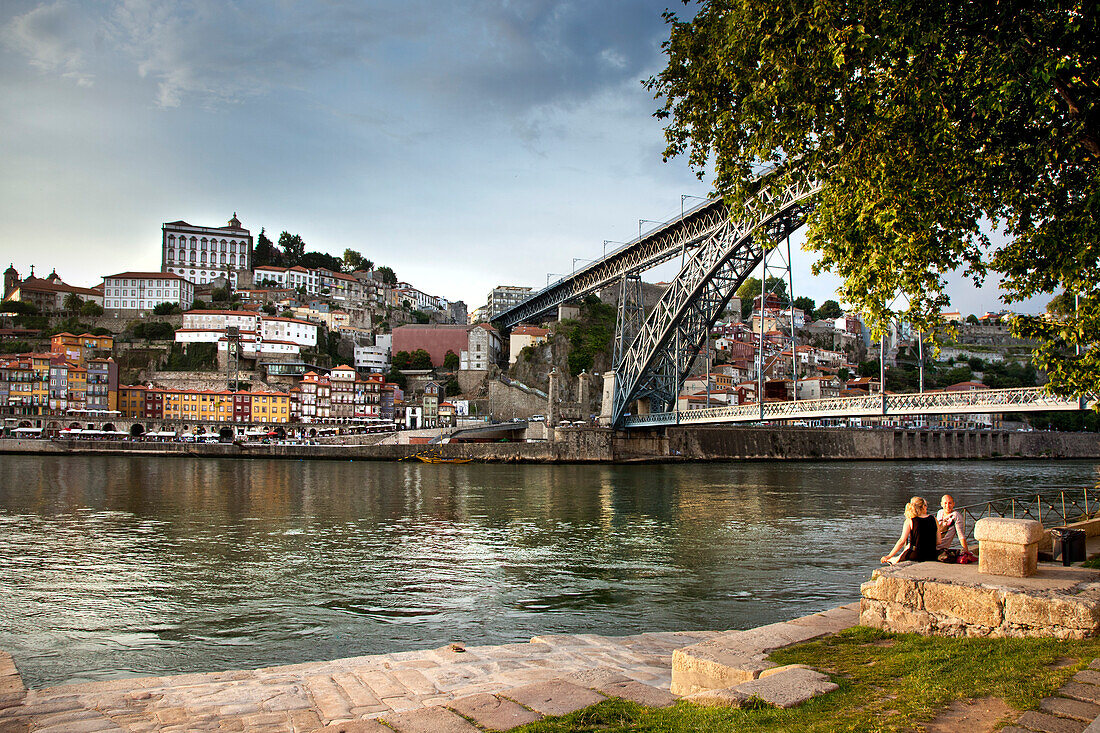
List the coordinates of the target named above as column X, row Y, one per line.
column 120, row 566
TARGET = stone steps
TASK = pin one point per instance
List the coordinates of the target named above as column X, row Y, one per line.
column 736, row 657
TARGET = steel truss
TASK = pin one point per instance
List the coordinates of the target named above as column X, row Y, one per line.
column 659, row 358
column 644, row 253
column 1016, row 399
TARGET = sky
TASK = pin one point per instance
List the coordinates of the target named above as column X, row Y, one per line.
column 465, row 145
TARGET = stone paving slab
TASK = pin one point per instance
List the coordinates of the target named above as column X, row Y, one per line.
column 1068, row 708
column 357, row 726
column 1044, row 723
column 793, row 686
column 554, row 697
column 642, row 694
column 435, row 719
column 493, row 712
column 1080, row 691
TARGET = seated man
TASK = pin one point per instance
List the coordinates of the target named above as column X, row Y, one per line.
column 951, row 524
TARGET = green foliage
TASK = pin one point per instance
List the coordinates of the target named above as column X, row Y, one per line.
column 421, row 359
column 396, row 377
column 293, row 248
column 354, row 260
column 321, row 259
column 387, row 275
column 166, row 309
column 920, row 122
column 69, row 325
column 972, row 319
column 842, row 374
column 402, row 360
column 219, row 295
column 91, row 309
column 450, row 360
column 421, row 316
column 265, row 253
column 192, row 358
column 592, row 334
column 72, row 302
column 153, row 330
column 268, row 308
column 830, row 309
column 19, row 308
column 805, row 304
column 199, row 305
column 452, row 388
column 15, row 347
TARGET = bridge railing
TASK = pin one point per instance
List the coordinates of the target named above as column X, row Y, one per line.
column 1049, row 507
column 917, row 403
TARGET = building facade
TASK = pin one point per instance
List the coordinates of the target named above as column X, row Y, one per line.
column 136, row 294
column 202, row 254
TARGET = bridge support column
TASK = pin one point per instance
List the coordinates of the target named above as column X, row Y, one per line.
column 583, row 382
column 608, row 408
column 552, row 399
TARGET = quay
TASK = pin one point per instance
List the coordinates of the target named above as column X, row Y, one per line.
column 670, row 444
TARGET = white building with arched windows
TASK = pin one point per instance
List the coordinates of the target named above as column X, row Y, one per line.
column 201, row 254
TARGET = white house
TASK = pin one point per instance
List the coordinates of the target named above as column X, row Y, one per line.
column 137, row 293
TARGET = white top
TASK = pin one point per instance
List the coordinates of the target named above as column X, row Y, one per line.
column 947, row 534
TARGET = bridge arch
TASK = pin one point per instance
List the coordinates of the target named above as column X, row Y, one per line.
column 137, row 430
column 659, row 356
column 225, row 433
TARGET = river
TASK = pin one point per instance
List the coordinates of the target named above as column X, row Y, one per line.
column 124, row 566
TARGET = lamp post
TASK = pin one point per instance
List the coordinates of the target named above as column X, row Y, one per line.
column 607, row 242
column 549, row 275
column 579, row 259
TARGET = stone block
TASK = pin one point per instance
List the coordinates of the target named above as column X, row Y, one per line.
column 596, row 677
column 725, row 698
column 1009, row 531
column 981, row 606
column 710, row 665
column 493, row 712
column 1051, row 612
column 429, row 720
column 872, row 613
column 356, row 726
column 1008, row 547
column 1089, row 676
column 1001, row 558
column 905, row 621
column 891, row 589
column 1078, row 691
column 556, row 697
column 1067, row 708
column 640, row 693
column 1049, row 723
column 788, row 688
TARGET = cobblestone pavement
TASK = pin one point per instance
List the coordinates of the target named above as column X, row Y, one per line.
column 1074, row 708
column 307, row 697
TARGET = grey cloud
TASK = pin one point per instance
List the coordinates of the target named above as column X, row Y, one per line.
column 55, row 37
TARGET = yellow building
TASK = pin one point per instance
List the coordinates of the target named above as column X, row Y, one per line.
column 270, row 407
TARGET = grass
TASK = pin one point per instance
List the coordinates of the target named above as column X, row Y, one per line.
column 888, row 682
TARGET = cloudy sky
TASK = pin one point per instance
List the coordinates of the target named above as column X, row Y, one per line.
column 464, row 144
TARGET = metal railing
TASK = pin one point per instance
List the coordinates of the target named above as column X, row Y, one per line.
column 1049, row 507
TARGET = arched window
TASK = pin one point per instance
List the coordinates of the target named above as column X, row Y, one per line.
column 233, row 260
column 232, row 246
column 202, row 257
column 223, row 258
column 194, row 242
column 192, row 253
column 223, row 245
column 171, row 255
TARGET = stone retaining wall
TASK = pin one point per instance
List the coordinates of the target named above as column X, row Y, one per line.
column 957, row 600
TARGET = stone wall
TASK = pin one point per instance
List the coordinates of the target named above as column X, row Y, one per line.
column 508, row 401
column 956, row 600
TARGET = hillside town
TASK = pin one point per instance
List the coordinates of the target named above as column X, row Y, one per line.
column 238, row 330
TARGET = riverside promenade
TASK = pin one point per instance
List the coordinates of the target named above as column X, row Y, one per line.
column 435, row 690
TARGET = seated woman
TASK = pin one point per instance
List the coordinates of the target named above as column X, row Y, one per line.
column 919, row 535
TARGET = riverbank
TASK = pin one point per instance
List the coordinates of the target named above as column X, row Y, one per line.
column 670, row 445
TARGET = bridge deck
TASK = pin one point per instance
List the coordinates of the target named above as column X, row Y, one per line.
column 1017, row 399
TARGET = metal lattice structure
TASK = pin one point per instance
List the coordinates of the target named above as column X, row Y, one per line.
column 1017, row 399
column 675, row 332
column 635, row 257
column 631, row 314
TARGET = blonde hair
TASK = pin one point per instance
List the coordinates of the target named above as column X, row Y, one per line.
column 915, row 506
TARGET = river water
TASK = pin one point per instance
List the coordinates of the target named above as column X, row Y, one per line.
column 119, row 566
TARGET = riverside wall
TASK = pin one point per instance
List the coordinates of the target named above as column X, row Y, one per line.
column 601, row 445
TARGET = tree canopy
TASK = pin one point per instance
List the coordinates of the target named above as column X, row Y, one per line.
column 924, row 123
column 293, row 247
column 387, row 275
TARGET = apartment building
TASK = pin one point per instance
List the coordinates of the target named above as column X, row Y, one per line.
column 135, row 294
column 154, row 403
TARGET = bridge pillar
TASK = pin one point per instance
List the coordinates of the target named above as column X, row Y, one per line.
column 608, row 408
column 552, row 399
column 582, row 393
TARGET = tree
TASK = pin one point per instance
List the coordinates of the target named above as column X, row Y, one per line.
column 830, row 309
column 421, row 359
column 268, row 308
column 452, row 388
column 387, row 275
column 353, row 260
column 396, row 377
column 199, row 305
column 73, row 302
column 264, row 253
column 321, row 259
column 450, row 360
column 293, row 248
column 401, row 360
column 166, row 309
column 219, row 295
column 805, row 304
column 920, row 121
column 19, row 307
column 91, row 309
column 972, row 319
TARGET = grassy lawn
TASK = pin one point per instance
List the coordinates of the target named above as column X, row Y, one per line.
column 888, row 682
